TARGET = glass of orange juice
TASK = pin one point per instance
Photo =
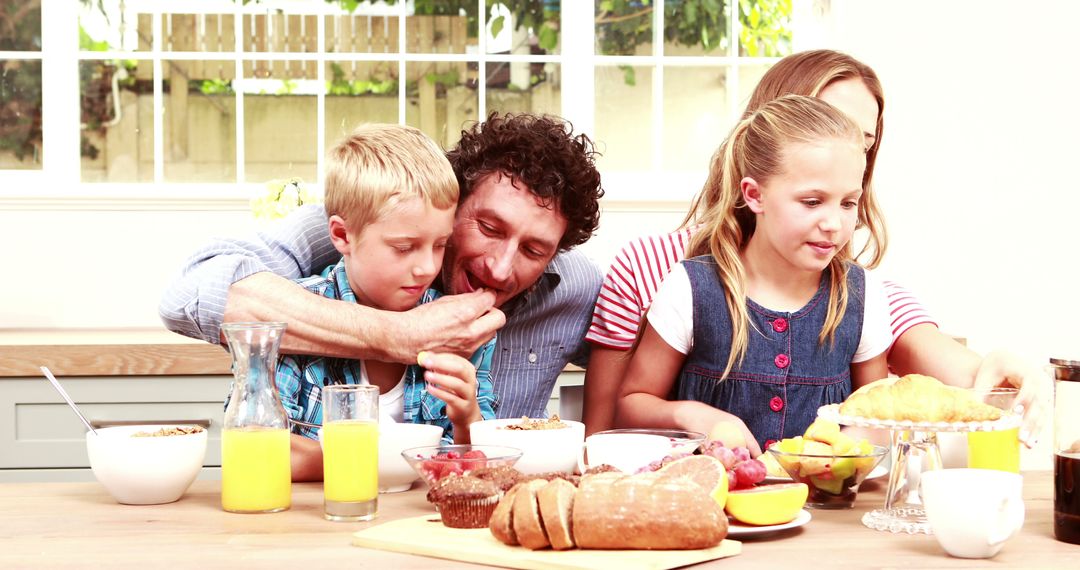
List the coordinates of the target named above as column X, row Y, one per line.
column 999, row 449
column 350, row 442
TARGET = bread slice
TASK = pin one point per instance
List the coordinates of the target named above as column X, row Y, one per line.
column 501, row 523
column 528, row 526
column 556, row 500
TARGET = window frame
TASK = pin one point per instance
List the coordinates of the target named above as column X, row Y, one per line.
column 56, row 186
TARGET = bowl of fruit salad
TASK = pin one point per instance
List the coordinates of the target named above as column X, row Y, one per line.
column 831, row 463
column 437, row 461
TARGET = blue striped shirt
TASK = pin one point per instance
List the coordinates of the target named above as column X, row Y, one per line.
column 300, row 379
column 544, row 330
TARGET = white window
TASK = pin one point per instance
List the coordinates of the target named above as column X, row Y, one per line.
column 199, row 100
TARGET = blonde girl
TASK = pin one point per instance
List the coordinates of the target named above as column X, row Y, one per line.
column 768, row 318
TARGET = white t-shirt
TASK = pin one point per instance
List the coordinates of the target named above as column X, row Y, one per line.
column 672, row 316
column 392, row 403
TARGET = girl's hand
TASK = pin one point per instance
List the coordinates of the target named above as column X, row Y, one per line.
column 452, row 379
column 729, row 429
column 1001, row 368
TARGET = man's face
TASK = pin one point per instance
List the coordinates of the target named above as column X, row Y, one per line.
column 503, row 239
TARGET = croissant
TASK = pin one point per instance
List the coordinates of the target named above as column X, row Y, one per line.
column 917, row 398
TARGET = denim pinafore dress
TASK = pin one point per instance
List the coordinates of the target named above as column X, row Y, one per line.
column 786, row 374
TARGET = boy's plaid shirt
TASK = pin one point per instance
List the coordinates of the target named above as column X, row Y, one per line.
column 300, row 378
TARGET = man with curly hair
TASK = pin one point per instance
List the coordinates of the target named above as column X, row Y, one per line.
column 529, row 194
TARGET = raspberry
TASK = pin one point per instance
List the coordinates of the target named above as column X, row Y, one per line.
column 474, row 454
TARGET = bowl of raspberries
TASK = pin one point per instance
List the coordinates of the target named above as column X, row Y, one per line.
column 438, row 461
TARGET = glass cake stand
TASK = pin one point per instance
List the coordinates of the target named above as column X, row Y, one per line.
column 914, row 451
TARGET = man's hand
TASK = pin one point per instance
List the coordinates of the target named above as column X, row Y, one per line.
column 456, row 324
column 452, row 379
column 1000, row 368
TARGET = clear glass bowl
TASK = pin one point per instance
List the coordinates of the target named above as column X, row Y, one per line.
column 437, row 461
column 682, row 441
column 833, row 479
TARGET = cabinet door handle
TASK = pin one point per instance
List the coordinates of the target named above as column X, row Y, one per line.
column 114, row 423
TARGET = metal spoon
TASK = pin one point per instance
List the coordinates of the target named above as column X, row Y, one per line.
column 64, row 394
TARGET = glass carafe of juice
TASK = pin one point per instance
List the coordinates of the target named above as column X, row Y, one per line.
column 1066, row 449
column 255, row 470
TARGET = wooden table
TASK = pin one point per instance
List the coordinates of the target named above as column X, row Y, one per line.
column 50, row 525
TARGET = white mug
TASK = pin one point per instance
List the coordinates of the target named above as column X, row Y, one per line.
column 972, row 512
column 627, row 452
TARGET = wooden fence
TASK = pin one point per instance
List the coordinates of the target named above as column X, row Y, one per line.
column 293, row 34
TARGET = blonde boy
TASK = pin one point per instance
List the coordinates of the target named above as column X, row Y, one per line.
column 391, row 196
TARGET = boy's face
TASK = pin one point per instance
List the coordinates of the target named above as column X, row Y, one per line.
column 393, row 260
column 503, row 239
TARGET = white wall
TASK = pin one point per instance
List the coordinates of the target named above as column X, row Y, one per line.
column 976, row 172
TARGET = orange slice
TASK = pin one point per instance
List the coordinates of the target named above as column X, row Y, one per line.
column 705, row 470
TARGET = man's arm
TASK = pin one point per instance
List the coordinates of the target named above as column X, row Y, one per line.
column 316, row 325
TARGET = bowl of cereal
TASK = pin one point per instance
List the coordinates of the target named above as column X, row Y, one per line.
column 547, row 444
column 146, row 464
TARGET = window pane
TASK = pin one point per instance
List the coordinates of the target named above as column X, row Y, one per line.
column 357, row 33
column 696, row 116
column 625, row 29
column 199, row 121
column 437, row 27
column 766, row 28
column 524, row 88
column 624, row 117
column 21, row 29
column 117, row 129
column 749, row 77
column 523, row 26
column 359, row 92
column 280, row 119
column 696, row 27
column 20, row 114
column 439, row 100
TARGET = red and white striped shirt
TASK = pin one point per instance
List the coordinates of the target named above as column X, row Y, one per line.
column 643, row 263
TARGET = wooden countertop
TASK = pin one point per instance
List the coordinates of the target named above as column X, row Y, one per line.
column 51, row 525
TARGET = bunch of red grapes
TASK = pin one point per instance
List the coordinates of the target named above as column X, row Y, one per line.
column 742, row 471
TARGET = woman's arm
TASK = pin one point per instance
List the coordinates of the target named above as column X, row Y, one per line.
column 923, row 349
column 607, row 368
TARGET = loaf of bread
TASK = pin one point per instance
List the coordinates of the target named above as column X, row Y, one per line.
column 646, row 513
column 556, row 500
column 610, row 511
column 917, row 398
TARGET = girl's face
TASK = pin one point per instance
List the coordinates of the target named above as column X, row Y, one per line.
column 808, row 211
column 392, row 261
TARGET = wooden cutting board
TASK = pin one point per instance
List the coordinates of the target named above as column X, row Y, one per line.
column 426, row 536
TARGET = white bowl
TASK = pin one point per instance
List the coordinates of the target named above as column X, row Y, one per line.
column 543, row 450
column 395, row 474
column 145, row 470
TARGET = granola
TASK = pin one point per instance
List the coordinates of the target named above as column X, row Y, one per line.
column 178, row 430
column 530, row 424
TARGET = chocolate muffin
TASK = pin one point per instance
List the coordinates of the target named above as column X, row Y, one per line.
column 503, row 476
column 464, row 501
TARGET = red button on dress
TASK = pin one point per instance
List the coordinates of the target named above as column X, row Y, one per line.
column 776, row 404
column 779, row 325
column 781, row 361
